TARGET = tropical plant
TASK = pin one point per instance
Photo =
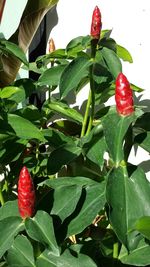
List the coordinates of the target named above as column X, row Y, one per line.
column 90, row 210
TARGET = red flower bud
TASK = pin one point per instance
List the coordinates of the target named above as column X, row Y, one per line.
column 123, row 96
column 96, row 23
column 26, row 194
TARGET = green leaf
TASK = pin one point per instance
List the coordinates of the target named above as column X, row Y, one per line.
column 68, row 260
column 143, row 140
column 142, row 122
column 115, row 135
column 95, row 149
column 9, row 228
column 65, row 200
column 56, row 138
column 51, row 76
column 143, row 226
column 124, row 54
column 31, row 19
column 112, row 61
column 78, row 44
column 105, row 34
column 9, row 209
column 27, row 86
column 21, row 253
column 139, row 257
column 142, row 131
column 91, row 202
column 24, row 128
column 47, row 259
column 65, row 110
column 40, row 228
column 122, row 190
column 136, row 88
column 65, row 260
column 8, row 92
column 8, row 47
column 68, row 181
column 68, row 153
column 73, row 74
column 109, row 43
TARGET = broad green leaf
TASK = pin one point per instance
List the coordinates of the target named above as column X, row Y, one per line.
column 31, row 113
column 112, row 60
column 73, row 74
column 105, row 34
column 51, row 76
column 65, row 110
column 47, row 259
column 122, row 190
column 8, row 47
column 68, row 260
column 109, row 43
column 24, row 128
column 143, row 226
column 9, row 228
column 27, row 86
column 95, row 149
column 68, row 181
column 10, row 155
column 31, row 19
column 58, row 54
column 65, row 260
column 21, row 253
column 68, row 153
column 92, row 201
column 65, row 200
column 115, row 135
column 9, row 91
column 56, row 138
column 78, row 44
column 124, row 54
column 138, row 257
column 9, row 209
column 40, row 228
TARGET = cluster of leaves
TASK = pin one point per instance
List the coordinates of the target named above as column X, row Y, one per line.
column 90, row 211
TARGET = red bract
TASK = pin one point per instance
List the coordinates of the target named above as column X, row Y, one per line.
column 96, row 23
column 26, row 194
column 123, row 96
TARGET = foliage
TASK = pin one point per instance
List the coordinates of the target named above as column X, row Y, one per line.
column 89, row 211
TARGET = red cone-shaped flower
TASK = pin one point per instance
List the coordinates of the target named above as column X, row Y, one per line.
column 123, row 96
column 26, row 194
column 96, row 23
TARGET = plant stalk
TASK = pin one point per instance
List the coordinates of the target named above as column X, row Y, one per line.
column 85, row 119
column 115, row 250
column 91, row 97
column 1, row 197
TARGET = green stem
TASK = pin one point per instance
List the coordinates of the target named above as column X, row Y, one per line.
column 91, row 97
column 1, row 197
column 92, row 106
column 50, row 87
column 115, row 250
column 86, row 114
